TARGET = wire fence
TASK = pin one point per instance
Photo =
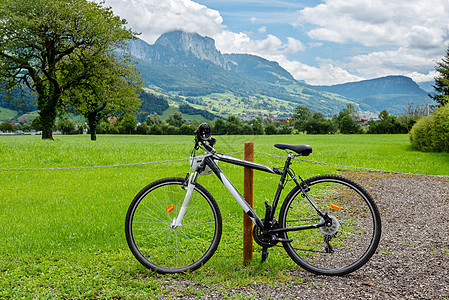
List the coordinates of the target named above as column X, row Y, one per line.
column 233, row 153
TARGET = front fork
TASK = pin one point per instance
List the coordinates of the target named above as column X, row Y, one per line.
column 190, row 186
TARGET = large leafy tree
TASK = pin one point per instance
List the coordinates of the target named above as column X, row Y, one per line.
column 442, row 81
column 108, row 86
column 41, row 40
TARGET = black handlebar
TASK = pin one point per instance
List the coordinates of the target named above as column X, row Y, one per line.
column 203, row 137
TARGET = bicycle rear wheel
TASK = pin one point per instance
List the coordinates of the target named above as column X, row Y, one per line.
column 156, row 243
column 348, row 243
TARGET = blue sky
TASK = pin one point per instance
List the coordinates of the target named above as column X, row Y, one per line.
column 320, row 42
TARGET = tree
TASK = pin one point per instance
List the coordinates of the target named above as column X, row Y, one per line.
column 219, row 127
column 442, row 81
column 412, row 114
column 348, row 119
column 387, row 123
column 7, row 126
column 319, row 124
column 43, row 39
column 66, row 126
column 36, row 123
column 176, row 119
column 271, row 129
column 153, row 119
column 110, row 87
column 300, row 117
column 257, row 126
column 431, row 133
column 233, row 125
column 128, row 124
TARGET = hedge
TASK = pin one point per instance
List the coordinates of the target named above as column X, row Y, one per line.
column 431, row 133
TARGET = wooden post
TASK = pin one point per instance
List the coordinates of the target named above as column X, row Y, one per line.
column 248, row 195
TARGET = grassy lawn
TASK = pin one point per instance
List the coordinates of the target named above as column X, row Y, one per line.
column 62, row 231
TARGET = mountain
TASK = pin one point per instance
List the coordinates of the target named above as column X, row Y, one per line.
column 391, row 92
column 189, row 68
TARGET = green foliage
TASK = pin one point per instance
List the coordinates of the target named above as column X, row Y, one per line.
column 143, row 128
column 151, row 104
column 128, row 124
column 271, row 129
column 412, row 114
column 155, row 130
column 219, row 127
column 233, row 125
column 44, row 43
column 431, row 133
column 348, row 119
column 19, row 100
column 36, row 124
column 153, row 119
column 442, row 81
column 66, row 126
column 176, row 119
column 7, row 126
column 257, row 126
column 387, row 123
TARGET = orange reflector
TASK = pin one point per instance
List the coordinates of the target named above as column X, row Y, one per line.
column 170, row 208
column 335, row 206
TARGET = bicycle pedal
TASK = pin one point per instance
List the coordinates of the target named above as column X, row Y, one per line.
column 264, row 254
column 278, row 239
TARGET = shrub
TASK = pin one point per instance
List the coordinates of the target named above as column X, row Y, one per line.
column 271, row 129
column 431, row 133
column 155, row 130
column 440, row 132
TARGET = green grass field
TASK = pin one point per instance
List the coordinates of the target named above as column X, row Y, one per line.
column 62, row 231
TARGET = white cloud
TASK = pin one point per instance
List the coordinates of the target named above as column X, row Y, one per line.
column 154, row 17
column 405, row 23
column 419, row 77
column 415, row 32
column 324, row 74
column 402, row 61
column 262, row 29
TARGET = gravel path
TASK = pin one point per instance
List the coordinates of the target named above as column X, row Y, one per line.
column 412, row 261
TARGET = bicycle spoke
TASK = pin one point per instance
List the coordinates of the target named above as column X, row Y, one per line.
column 335, row 250
column 170, row 250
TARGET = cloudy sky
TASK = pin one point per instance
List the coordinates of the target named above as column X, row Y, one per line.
column 321, row 42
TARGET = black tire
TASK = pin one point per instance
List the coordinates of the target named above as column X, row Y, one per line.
column 352, row 240
column 161, row 248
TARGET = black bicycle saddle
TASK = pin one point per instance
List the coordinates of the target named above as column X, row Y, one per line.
column 302, row 149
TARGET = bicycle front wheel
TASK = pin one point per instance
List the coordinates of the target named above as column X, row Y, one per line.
column 342, row 247
column 165, row 248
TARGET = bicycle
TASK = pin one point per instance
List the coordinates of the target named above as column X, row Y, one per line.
column 328, row 224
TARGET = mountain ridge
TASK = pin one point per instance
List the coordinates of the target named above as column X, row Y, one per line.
column 189, row 65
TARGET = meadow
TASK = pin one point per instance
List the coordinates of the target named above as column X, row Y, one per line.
column 62, row 230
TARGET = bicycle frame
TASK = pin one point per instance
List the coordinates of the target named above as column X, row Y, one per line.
column 208, row 160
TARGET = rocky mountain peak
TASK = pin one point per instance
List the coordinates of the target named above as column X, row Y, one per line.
column 192, row 44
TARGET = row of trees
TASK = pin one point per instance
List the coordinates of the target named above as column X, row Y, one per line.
column 346, row 122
